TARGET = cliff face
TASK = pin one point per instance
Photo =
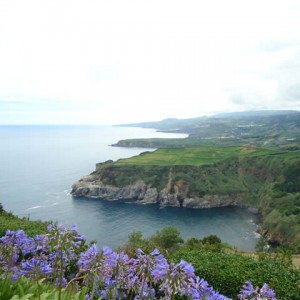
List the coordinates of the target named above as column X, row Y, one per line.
column 92, row 187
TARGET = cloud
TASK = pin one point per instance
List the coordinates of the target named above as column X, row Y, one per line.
column 128, row 61
column 292, row 93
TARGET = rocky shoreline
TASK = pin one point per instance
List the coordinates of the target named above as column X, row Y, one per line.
column 139, row 192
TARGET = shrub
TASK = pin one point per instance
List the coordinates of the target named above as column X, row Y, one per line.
column 228, row 271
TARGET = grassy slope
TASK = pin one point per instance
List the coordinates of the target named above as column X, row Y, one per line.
column 10, row 222
column 196, row 156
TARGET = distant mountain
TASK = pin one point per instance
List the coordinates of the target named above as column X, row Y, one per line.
column 172, row 124
column 257, row 113
column 268, row 128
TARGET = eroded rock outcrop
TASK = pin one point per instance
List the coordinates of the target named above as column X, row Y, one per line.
column 92, row 187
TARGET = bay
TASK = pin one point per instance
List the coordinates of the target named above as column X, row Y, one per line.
column 39, row 164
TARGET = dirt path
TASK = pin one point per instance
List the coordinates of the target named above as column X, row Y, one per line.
column 296, row 258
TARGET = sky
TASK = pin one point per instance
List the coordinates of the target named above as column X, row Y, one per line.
column 126, row 61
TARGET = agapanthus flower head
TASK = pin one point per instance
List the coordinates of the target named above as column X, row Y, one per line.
column 15, row 245
column 248, row 289
column 267, row 292
column 87, row 259
column 160, row 269
column 155, row 252
column 15, row 238
column 74, row 228
column 106, row 251
column 35, row 267
column 249, row 292
column 123, row 258
column 140, row 251
column 187, row 268
column 50, row 227
column 41, row 242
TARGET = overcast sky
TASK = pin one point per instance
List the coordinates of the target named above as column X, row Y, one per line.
column 120, row 61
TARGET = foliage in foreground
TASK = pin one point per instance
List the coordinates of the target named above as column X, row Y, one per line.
column 223, row 267
column 62, row 258
column 25, row 288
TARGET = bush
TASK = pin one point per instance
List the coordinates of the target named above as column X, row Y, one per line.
column 167, row 239
column 226, row 272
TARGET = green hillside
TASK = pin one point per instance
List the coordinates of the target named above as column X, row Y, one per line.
column 266, row 179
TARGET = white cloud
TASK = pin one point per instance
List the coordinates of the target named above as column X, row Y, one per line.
column 127, row 61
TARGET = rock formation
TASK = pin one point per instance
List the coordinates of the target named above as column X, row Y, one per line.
column 91, row 186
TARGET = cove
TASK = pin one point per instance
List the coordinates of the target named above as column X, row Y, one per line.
column 39, row 164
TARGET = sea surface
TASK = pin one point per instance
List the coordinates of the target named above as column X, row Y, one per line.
column 39, row 164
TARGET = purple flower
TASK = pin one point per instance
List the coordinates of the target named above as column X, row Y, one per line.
column 267, row 292
column 41, row 243
column 64, row 282
column 106, row 251
column 187, row 268
column 155, row 252
column 50, row 227
column 248, row 289
column 74, row 229
column 248, row 292
column 35, row 267
column 87, row 259
column 108, row 274
column 161, row 268
column 140, row 251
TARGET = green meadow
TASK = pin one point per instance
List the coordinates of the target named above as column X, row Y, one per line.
column 197, row 156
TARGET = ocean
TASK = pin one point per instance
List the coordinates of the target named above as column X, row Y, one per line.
column 39, row 164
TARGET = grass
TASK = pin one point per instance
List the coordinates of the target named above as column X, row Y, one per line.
column 10, row 222
column 197, row 156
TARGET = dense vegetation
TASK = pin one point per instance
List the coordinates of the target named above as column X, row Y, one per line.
column 225, row 268
column 222, row 266
column 60, row 265
column 226, row 271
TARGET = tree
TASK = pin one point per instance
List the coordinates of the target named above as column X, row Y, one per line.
column 167, row 238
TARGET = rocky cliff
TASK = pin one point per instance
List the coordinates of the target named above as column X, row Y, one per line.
column 92, row 186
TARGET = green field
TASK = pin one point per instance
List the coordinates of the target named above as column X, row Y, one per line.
column 196, row 156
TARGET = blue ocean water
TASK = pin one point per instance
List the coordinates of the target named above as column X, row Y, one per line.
column 39, row 164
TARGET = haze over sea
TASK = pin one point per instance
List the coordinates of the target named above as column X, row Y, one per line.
column 39, row 164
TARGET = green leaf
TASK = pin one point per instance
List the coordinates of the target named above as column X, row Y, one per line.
column 44, row 296
column 26, row 297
